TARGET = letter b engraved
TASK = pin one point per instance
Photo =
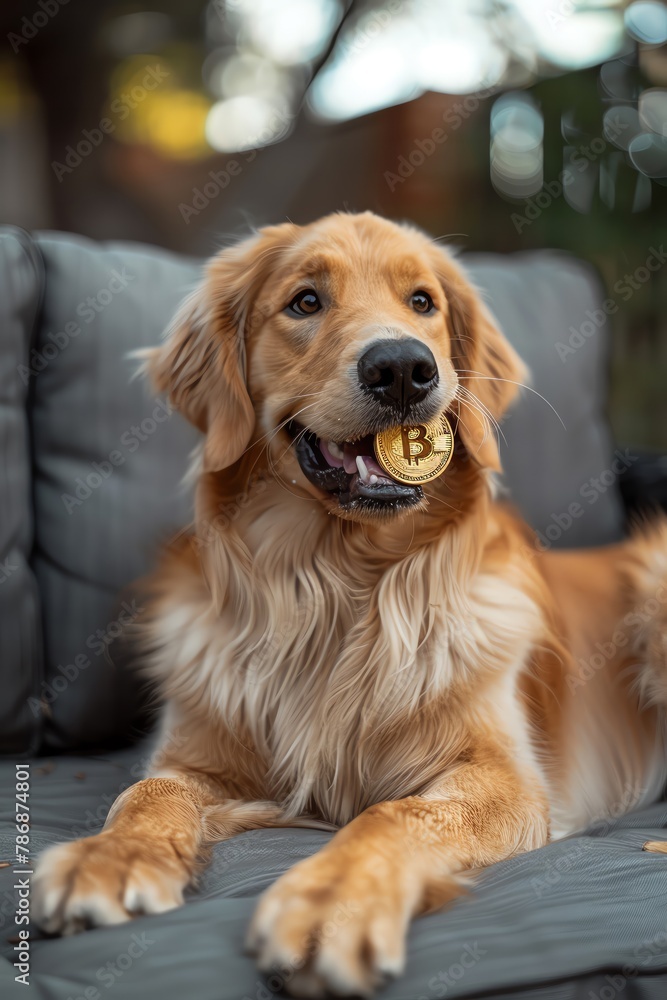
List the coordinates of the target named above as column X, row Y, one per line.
column 415, row 444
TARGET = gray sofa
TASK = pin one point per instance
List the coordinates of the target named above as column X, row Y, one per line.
column 91, row 485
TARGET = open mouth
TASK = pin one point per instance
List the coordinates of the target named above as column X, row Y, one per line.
column 349, row 471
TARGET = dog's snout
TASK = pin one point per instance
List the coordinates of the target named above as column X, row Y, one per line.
column 398, row 372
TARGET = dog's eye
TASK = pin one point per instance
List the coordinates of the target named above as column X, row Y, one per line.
column 305, row 303
column 421, row 302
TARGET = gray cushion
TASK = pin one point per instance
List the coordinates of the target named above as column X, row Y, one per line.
column 580, row 909
column 562, row 475
column 108, row 461
column 21, row 274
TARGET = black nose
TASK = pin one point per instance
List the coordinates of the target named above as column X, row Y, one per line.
column 398, row 372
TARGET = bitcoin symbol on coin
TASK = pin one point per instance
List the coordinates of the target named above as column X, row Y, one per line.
column 416, row 454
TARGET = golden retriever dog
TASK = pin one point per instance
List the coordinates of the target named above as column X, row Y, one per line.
column 398, row 662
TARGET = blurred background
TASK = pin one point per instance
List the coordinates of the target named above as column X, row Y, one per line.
column 497, row 125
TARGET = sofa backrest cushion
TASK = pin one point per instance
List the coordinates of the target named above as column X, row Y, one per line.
column 21, row 288
column 560, row 464
column 108, row 465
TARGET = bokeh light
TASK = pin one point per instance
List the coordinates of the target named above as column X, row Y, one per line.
column 647, row 22
column 169, row 117
column 517, row 132
column 288, row 33
column 373, row 67
column 648, row 152
column 239, row 123
column 653, row 110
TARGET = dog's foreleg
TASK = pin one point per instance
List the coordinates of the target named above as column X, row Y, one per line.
column 338, row 920
column 144, row 858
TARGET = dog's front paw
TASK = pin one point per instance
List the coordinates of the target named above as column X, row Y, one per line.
column 104, row 879
column 331, row 926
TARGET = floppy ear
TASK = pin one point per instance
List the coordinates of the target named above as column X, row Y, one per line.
column 201, row 366
column 489, row 369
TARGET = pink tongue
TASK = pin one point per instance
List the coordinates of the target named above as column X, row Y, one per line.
column 350, row 461
column 337, row 463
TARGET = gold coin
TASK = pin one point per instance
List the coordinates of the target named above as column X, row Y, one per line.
column 416, row 454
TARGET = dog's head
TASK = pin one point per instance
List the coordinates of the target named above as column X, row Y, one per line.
column 307, row 341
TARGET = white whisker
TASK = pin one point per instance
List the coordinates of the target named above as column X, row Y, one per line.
column 522, row 385
column 474, row 406
column 473, row 400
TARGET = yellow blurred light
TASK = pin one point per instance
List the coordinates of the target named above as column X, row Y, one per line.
column 15, row 94
column 172, row 122
column 157, row 112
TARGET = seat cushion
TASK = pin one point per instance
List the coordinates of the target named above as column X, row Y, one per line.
column 555, row 923
column 22, row 283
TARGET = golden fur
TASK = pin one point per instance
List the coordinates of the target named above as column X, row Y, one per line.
column 421, row 680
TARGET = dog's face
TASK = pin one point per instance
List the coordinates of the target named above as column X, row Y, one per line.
column 313, row 339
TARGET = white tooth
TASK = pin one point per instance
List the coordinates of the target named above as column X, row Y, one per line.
column 335, row 449
column 373, row 479
column 363, row 471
